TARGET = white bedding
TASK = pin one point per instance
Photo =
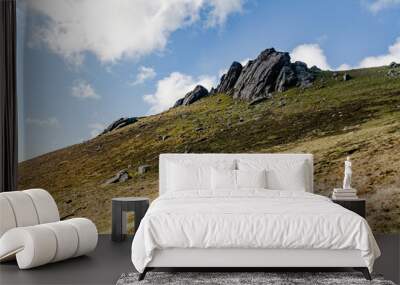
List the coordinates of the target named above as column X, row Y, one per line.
column 250, row 219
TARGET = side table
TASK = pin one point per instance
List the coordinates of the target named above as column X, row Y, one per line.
column 356, row 205
column 122, row 205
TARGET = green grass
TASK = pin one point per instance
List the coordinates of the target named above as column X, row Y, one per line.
column 332, row 119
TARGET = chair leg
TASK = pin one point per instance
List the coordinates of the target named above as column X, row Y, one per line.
column 143, row 274
column 364, row 271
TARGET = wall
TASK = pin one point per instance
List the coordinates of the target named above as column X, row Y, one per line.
column 79, row 71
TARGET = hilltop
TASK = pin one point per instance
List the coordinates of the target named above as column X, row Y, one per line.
column 331, row 119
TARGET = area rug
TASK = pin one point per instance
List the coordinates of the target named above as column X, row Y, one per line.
column 269, row 278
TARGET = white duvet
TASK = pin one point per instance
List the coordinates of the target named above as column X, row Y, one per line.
column 250, row 219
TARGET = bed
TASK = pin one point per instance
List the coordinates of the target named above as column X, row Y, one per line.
column 247, row 210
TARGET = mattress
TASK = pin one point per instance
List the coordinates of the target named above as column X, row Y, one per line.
column 250, row 219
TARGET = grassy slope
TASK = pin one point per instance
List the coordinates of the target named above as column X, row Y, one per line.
column 330, row 120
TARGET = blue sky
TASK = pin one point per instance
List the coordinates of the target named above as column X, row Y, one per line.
column 84, row 64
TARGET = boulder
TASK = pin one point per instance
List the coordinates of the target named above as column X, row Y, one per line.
column 229, row 79
column 346, row 77
column 178, row 103
column 304, row 76
column 259, row 76
column 295, row 74
column 213, row 91
column 315, row 69
column 393, row 73
column 260, row 99
column 121, row 176
column 196, row 94
column 271, row 71
column 394, row 65
column 142, row 169
column 286, row 79
column 120, row 123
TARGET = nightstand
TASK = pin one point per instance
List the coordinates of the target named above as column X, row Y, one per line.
column 357, row 205
column 120, row 206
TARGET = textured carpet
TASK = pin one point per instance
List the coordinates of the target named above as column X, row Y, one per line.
column 228, row 278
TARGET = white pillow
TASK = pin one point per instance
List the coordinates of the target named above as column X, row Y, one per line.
column 227, row 179
column 184, row 178
column 282, row 174
column 251, row 178
column 223, row 179
column 192, row 174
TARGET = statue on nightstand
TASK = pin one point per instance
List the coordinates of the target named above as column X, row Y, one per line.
column 347, row 174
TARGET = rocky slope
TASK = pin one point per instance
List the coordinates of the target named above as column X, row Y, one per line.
column 331, row 119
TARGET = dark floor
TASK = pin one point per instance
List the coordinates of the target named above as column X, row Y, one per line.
column 103, row 266
column 110, row 260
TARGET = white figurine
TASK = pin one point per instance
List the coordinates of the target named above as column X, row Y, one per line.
column 347, row 174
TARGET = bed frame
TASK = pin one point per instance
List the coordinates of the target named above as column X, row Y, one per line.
column 242, row 259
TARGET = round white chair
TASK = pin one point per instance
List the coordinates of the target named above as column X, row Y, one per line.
column 31, row 231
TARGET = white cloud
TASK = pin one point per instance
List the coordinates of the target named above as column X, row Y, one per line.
column 378, row 5
column 393, row 54
column 384, row 59
column 312, row 54
column 83, row 90
column 221, row 10
column 48, row 122
column 145, row 73
column 96, row 129
column 174, row 87
column 112, row 30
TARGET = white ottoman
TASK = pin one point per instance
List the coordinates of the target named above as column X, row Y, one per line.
column 33, row 243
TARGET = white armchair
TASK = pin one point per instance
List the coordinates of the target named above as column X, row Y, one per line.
column 31, row 230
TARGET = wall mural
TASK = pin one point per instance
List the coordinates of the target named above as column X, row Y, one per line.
column 104, row 93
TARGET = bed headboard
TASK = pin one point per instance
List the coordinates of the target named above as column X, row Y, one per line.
column 209, row 157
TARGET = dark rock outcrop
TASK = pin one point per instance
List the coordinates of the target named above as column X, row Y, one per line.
column 259, row 77
column 229, row 79
column 295, row 74
column 286, row 79
column 394, row 65
column 304, row 76
column 196, row 94
column 120, row 123
column 271, row 71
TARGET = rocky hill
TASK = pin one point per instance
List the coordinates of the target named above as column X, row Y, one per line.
column 335, row 114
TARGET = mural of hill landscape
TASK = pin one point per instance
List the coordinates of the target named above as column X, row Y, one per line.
column 269, row 105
